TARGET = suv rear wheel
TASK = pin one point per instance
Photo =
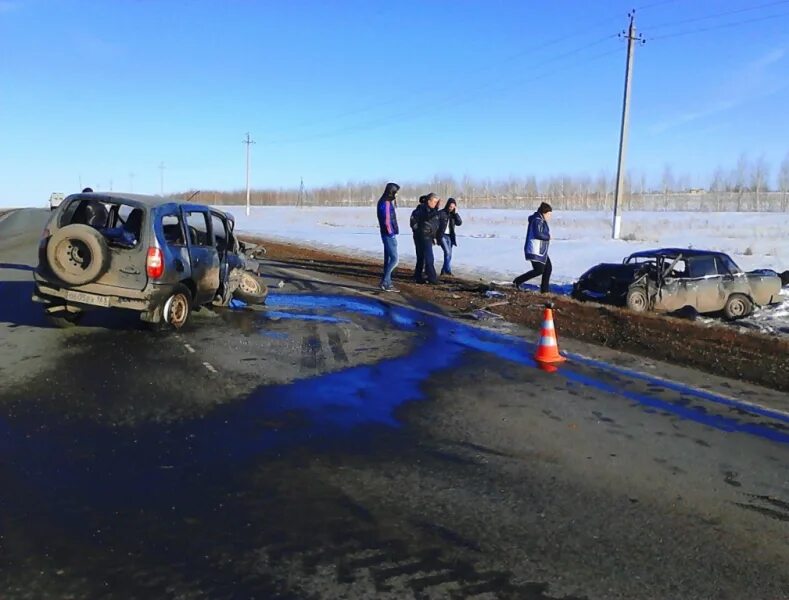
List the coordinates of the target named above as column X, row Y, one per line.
column 177, row 307
column 737, row 306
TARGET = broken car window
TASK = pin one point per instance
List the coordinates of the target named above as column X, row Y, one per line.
column 220, row 238
column 197, row 223
column 173, row 231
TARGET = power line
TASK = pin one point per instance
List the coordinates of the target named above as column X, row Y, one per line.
column 499, row 62
column 436, row 106
column 447, row 101
column 653, row 5
column 720, row 14
column 716, row 27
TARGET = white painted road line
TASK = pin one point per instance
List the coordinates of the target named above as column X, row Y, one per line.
column 210, row 367
column 188, row 347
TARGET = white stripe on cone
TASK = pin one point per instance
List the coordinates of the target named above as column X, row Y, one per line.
column 547, row 324
column 547, row 341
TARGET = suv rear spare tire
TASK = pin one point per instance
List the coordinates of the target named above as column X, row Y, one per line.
column 78, row 254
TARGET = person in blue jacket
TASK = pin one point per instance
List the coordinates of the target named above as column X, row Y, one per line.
column 387, row 223
column 538, row 238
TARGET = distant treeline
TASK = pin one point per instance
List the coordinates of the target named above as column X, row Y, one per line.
column 563, row 193
column 747, row 186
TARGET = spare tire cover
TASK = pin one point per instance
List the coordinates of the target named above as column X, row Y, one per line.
column 77, row 254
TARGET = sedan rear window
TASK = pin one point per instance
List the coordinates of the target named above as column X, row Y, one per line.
column 702, row 266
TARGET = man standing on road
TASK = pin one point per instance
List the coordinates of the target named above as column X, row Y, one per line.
column 426, row 224
column 387, row 223
column 538, row 237
column 449, row 219
column 420, row 259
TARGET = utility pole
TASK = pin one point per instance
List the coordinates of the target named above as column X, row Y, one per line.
column 248, row 141
column 301, row 193
column 161, row 178
column 632, row 38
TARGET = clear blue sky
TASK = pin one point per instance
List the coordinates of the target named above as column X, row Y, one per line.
column 93, row 91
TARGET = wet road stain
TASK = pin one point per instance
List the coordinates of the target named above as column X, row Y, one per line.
column 97, row 484
column 464, row 338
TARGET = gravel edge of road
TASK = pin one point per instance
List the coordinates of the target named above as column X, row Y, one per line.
column 717, row 349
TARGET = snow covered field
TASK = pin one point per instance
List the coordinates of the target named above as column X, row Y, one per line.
column 490, row 242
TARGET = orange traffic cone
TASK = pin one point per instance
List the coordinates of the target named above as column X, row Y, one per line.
column 548, row 349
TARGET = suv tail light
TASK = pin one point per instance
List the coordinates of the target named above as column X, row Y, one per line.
column 154, row 263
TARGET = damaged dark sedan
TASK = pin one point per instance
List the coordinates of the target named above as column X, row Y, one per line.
column 675, row 279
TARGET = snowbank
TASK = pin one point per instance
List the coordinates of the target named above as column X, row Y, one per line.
column 490, row 242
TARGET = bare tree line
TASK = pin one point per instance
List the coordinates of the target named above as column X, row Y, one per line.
column 745, row 187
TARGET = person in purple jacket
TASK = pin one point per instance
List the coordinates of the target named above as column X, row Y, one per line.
column 387, row 223
column 538, row 238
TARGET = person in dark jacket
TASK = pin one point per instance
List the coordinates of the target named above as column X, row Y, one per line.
column 426, row 222
column 420, row 259
column 538, row 237
column 449, row 219
column 387, row 223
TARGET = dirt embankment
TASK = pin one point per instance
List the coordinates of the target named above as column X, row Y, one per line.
column 717, row 349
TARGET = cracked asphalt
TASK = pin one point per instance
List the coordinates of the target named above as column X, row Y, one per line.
column 342, row 444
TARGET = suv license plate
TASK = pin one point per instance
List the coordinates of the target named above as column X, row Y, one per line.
column 91, row 299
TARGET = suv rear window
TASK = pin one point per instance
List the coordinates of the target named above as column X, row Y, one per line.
column 87, row 212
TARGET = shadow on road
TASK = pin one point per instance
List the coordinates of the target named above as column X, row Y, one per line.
column 17, row 267
column 18, row 309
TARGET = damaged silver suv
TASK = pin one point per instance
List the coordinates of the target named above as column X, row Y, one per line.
column 162, row 257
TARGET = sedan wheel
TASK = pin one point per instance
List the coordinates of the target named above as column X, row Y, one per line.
column 737, row 306
column 637, row 300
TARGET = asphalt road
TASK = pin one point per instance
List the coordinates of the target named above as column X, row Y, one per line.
column 333, row 445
